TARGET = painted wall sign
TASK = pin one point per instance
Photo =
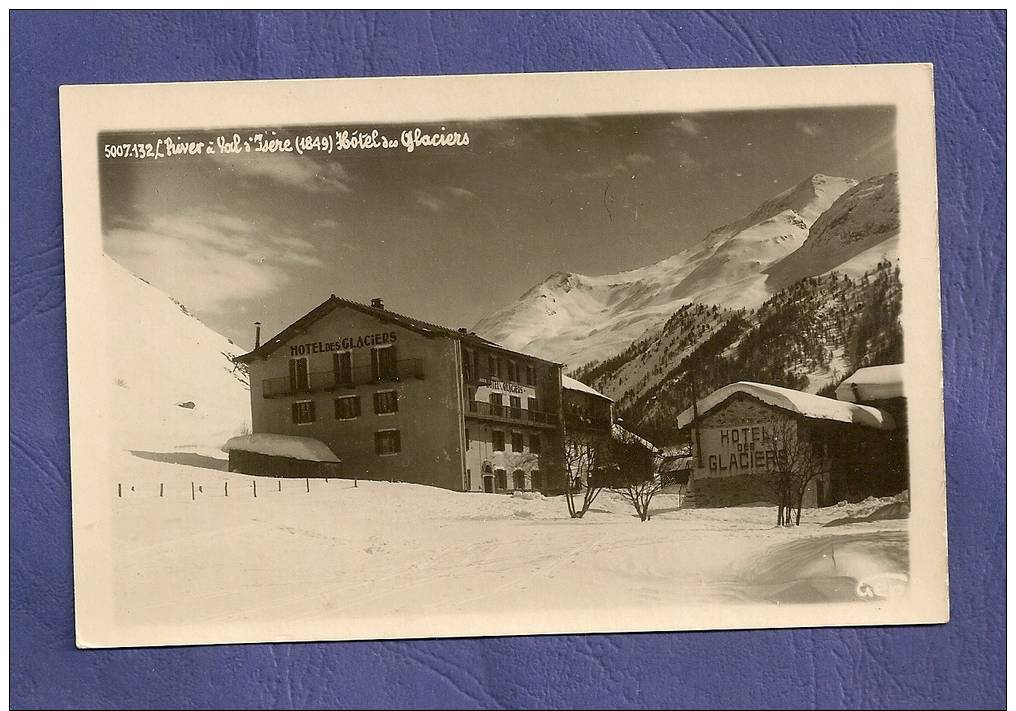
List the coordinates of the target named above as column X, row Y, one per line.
column 369, row 340
column 730, row 451
column 495, row 384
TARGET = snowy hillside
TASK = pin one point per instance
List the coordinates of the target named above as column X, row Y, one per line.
column 860, row 229
column 172, row 383
column 808, row 337
column 577, row 319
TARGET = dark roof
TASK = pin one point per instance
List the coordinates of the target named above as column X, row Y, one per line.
column 413, row 324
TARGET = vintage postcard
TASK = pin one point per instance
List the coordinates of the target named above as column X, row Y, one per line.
column 504, row 355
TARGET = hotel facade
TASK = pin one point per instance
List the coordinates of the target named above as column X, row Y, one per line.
column 399, row 399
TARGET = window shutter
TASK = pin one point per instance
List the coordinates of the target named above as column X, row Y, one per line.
column 292, row 376
column 296, row 410
column 397, row 441
column 356, row 406
column 377, row 403
column 373, row 364
column 313, row 415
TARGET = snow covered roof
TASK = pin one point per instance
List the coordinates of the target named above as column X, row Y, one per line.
column 807, row 405
column 572, row 384
column 278, row 445
column 879, row 382
column 628, row 436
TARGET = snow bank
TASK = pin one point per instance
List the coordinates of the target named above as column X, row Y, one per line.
column 880, row 382
column 277, row 445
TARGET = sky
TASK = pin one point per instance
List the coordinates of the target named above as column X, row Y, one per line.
column 451, row 233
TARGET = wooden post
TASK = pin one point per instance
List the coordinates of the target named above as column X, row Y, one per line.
column 161, row 485
column 119, row 490
column 308, row 485
column 192, row 490
column 226, row 487
column 255, row 488
column 280, row 485
column 695, row 422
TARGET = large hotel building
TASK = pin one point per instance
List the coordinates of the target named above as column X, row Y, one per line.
column 399, row 399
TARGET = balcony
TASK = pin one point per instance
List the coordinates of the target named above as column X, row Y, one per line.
column 330, row 381
column 504, row 413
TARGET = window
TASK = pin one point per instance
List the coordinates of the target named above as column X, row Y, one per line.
column 502, row 478
column 497, row 437
column 497, row 362
column 518, row 479
column 534, row 443
column 513, row 371
column 491, row 366
column 467, row 438
column 386, row 402
column 531, row 404
column 496, row 404
column 536, row 480
column 467, row 365
column 383, row 365
column 530, row 375
column 342, row 365
column 347, row 408
column 298, row 375
column 303, row 412
column 517, row 441
column 516, row 404
column 387, row 442
column 469, row 480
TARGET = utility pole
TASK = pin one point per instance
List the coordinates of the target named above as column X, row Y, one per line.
column 695, row 422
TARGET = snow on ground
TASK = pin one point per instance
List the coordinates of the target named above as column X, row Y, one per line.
column 340, row 551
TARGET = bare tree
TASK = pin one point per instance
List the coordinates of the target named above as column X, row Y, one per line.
column 580, row 460
column 633, row 469
column 796, row 464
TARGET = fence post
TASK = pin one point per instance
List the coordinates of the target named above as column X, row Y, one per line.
column 192, row 491
column 255, row 488
column 308, row 485
column 161, row 485
column 280, row 485
column 119, row 490
column 227, row 488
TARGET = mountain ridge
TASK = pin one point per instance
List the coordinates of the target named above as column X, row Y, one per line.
column 577, row 319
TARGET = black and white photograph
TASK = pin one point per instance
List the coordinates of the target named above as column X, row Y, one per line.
column 541, row 354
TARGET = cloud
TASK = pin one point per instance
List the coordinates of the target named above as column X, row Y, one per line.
column 639, row 160
column 207, row 258
column 437, row 200
column 685, row 160
column 687, row 126
column 288, row 170
column 628, row 165
column 808, row 128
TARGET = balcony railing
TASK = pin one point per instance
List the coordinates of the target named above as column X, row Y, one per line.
column 330, row 381
column 511, row 414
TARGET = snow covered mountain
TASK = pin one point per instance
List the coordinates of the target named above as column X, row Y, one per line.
column 172, row 383
column 577, row 319
column 860, row 229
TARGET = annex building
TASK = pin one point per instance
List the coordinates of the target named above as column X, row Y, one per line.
column 399, row 399
column 735, row 433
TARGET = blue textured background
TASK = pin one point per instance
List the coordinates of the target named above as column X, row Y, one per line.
column 960, row 664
